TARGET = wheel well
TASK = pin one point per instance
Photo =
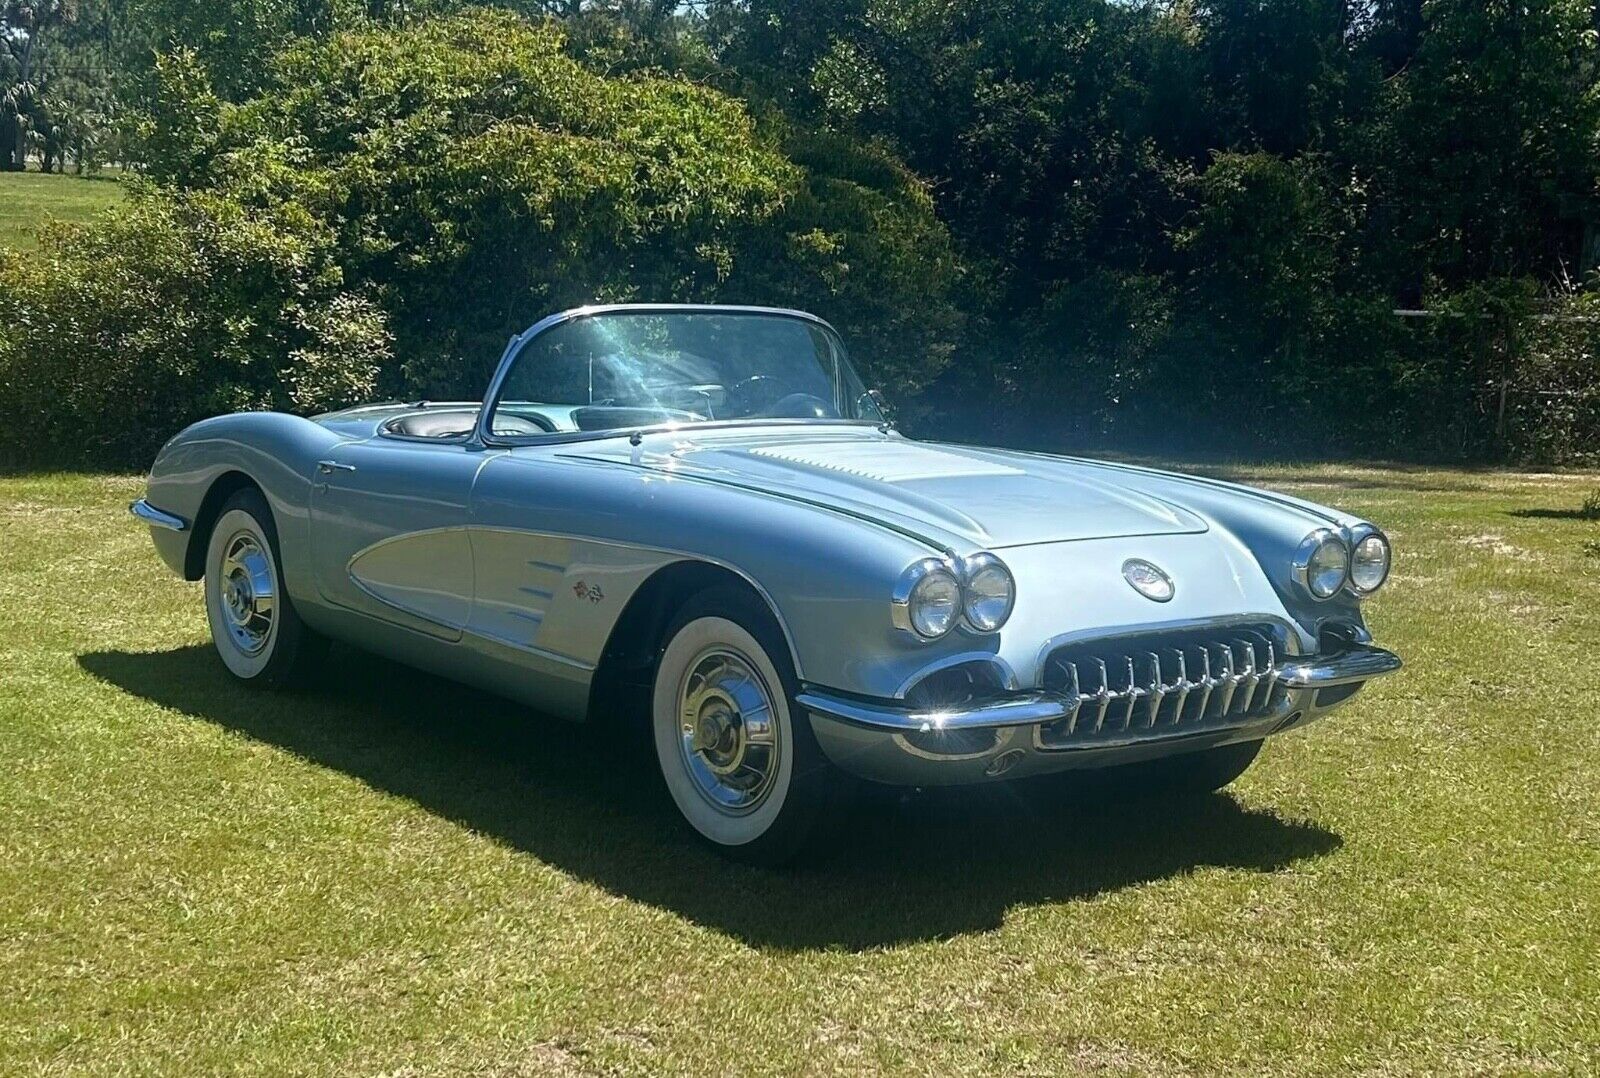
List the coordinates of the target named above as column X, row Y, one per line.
column 222, row 488
column 636, row 639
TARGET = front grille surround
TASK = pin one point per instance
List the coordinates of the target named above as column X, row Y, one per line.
column 1164, row 683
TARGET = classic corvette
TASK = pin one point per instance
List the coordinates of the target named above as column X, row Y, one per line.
column 706, row 504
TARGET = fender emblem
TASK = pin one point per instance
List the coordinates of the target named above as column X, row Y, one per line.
column 590, row 592
column 1148, row 579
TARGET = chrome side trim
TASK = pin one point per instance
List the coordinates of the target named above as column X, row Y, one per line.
column 1359, row 663
column 157, row 518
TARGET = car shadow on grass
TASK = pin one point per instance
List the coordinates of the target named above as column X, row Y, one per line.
column 896, row 868
column 1554, row 514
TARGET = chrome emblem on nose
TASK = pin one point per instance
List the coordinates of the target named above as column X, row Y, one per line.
column 1148, row 580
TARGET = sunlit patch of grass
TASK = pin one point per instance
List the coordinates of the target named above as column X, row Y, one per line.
column 29, row 199
column 388, row 874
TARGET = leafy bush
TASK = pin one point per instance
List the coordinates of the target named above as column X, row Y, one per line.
column 114, row 336
column 396, row 203
column 476, row 177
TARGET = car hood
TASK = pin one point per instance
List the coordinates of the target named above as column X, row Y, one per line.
column 950, row 495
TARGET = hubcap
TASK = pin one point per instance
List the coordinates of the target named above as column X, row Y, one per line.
column 248, row 592
column 729, row 745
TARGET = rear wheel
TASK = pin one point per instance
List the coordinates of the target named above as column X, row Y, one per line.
column 736, row 752
column 254, row 626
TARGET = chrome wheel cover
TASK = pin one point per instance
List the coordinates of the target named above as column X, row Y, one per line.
column 727, row 738
column 247, row 587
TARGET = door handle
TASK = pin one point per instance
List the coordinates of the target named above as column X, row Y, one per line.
column 328, row 467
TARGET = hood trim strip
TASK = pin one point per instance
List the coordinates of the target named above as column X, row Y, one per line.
column 877, row 522
column 1283, row 501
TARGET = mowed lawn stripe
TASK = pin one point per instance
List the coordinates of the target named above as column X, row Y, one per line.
column 389, row 872
column 30, row 199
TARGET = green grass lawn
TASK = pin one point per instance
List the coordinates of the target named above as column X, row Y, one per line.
column 388, row 875
column 28, row 199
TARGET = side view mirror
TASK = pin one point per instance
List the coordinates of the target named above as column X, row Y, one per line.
column 881, row 403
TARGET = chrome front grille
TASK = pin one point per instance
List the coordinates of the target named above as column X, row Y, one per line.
column 1152, row 685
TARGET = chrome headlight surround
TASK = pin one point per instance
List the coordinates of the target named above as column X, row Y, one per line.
column 916, row 588
column 1365, row 535
column 1309, row 567
column 984, row 578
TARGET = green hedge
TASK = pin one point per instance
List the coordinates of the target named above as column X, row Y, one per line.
column 112, row 336
column 396, row 203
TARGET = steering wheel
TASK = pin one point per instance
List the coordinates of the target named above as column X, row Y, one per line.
column 749, row 395
column 803, row 406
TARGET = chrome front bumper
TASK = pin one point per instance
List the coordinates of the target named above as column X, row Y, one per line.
column 157, row 518
column 899, row 744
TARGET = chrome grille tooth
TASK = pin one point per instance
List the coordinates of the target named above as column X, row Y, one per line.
column 1076, row 697
column 1133, row 696
column 1104, row 695
column 1158, row 689
column 1272, row 675
column 1225, row 680
column 1206, row 682
column 1184, row 685
column 1251, row 678
column 1268, row 671
column 1229, row 680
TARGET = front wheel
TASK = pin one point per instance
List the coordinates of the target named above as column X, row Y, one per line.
column 735, row 750
column 254, row 626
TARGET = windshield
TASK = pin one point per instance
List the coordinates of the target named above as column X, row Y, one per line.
column 620, row 370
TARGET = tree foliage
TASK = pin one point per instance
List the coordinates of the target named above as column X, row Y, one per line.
column 1218, row 204
column 457, row 179
column 1154, row 224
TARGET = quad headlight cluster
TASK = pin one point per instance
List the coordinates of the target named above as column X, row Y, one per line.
column 1329, row 561
column 935, row 595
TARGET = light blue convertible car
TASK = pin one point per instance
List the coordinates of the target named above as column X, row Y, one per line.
column 704, row 511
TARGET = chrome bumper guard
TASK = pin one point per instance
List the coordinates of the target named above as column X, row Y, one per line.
column 157, row 518
column 1361, row 662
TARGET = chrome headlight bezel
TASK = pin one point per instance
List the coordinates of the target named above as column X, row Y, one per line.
column 1358, row 535
column 912, row 584
column 985, row 564
column 1306, row 554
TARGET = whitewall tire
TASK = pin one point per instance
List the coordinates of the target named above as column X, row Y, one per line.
column 736, row 753
column 254, row 627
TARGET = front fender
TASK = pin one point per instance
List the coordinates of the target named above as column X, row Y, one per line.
column 828, row 576
column 277, row 452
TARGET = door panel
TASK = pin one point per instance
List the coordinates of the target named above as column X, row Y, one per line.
column 388, row 531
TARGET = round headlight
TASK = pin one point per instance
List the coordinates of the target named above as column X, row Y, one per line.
column 990, row 593
column 928, row 599
column 1323, row 563
column 1369, row 563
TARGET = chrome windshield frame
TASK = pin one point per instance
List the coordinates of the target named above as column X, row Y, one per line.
column 484, row 436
